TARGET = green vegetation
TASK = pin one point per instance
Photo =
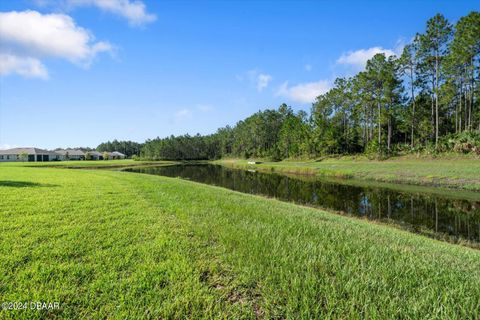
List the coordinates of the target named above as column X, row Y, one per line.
column 425, row 101
column 74, row 164
column 118, row 245
column 23, row 156
column 456, row 172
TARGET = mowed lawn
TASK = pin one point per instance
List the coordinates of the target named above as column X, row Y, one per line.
column 118, row 245
column 85, row 164
column 455, row 172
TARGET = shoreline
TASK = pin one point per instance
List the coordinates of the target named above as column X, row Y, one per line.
column 457, row 174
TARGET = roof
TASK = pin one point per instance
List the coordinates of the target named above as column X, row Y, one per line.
column 71, row 152
column 116, row 153
column 95, row 153
column 27, row 151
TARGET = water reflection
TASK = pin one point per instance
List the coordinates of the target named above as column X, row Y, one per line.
column 441, row 216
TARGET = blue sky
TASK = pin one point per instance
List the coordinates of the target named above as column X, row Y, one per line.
column 80, row 72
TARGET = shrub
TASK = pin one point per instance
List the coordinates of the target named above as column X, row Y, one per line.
column 464, row 142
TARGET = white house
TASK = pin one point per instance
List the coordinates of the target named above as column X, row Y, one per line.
column 36, row 154
column 28, row 154
column 71, row 154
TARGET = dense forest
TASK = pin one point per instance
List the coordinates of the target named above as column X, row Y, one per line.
column 425, row 100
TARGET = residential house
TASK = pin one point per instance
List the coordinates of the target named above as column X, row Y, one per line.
column 28, row 154
column 71, row 154
column 36, row 154
column 116, row 155
column 94, row 155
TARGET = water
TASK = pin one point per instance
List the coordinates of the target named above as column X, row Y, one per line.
column 448, row 215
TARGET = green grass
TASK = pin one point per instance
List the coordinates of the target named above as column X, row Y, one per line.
column 460, row 172
column 120, row 245
column 85, row 164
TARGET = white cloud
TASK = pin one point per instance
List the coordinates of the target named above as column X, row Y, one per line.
column 263, row 80
column 304, row 92
column 24, row 66
column 134, row 11
column 358, row 59
column 29, row 36
column 49, row 35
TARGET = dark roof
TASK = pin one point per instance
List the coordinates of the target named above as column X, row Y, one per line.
column 27, row 150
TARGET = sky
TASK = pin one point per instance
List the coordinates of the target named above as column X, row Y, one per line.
column 81, row 72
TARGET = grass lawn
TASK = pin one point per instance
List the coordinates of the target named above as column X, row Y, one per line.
column 84, row 164
column 119, row 245
column 459, row 172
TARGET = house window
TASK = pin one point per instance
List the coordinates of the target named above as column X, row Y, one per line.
column 1, row 157
column 8, row 157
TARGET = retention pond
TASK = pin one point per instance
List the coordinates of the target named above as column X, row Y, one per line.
column 448, row 215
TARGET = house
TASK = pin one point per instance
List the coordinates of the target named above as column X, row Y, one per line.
column 28, row 154
column 94, row 155
column 36, row 154
column 71, row 154
column 116, row 155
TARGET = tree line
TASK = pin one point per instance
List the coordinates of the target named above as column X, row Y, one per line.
column 426, row 99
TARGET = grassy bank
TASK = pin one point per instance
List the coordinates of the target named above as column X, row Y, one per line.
column 93, row 164
column 119, row 245
column 459, row 173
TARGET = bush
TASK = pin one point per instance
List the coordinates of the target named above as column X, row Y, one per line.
column 464, row 142
column 374, row 150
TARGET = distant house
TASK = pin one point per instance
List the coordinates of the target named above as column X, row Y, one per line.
column 94, row 155
column 71, row 154
column 116, row 155
column 28, row 154
column 36, row 154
